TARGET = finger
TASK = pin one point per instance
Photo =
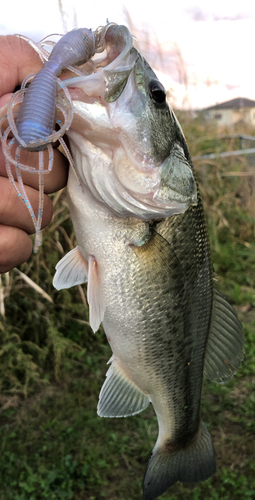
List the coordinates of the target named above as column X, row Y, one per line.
column 15, row 247
column 24, row 62
column 3, row 101
column 13, row 212
column 53, row 181
column 17, row 60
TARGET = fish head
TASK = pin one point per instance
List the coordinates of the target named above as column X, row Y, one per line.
column 132, row 153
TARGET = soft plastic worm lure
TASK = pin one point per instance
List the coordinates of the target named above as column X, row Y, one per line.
column 32, row 127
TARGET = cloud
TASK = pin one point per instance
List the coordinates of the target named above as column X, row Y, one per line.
column 196, row 13
column 230, row 86
column 237, row 17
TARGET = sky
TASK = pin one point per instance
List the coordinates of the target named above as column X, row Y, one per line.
column 201, row 50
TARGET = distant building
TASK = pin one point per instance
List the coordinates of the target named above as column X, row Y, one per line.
column 232, row 112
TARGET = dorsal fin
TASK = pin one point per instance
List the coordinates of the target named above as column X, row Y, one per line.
column 225, row 347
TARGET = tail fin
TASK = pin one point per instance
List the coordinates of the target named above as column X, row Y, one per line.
column 191, row 464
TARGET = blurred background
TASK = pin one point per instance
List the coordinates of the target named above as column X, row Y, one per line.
column 52, row 443
column 206, row 47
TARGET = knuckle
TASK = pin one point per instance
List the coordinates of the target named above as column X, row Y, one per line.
column 15, row 247
column 47, row 211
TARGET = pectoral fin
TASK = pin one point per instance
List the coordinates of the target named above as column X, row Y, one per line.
column 94, row 295
column 71, row 270
column 119, row 396
column 225, row 347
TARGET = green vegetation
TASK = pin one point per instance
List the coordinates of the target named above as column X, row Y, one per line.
column 53, row 445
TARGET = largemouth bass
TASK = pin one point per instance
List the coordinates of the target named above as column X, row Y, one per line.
column 143, row 248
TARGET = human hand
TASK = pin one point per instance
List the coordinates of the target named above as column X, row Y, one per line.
column 18, row 60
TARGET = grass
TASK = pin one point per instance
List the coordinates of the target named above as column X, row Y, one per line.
column 53, row 444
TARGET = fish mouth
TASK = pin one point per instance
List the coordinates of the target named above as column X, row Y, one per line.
column 141, row 194
column 122, row 175
column 118, row 180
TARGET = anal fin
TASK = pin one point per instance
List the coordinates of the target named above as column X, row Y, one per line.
column 225, row 346
column 119, row 396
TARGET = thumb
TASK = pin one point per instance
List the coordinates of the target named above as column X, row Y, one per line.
column 17, row 60
column 5, row 99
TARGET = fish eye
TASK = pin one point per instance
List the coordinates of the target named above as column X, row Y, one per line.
column 157, row 92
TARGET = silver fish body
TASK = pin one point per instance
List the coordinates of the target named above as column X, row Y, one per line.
column 143, row 247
